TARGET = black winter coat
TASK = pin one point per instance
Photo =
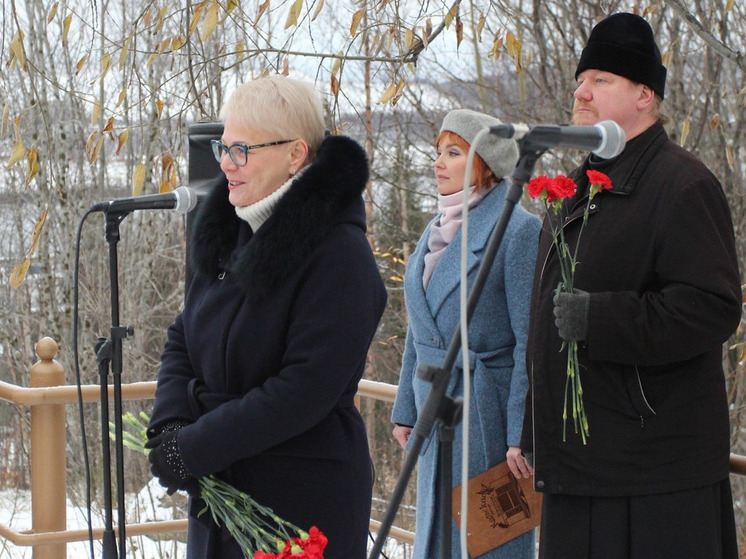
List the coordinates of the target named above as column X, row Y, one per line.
column 658, row 257
column 265, row 359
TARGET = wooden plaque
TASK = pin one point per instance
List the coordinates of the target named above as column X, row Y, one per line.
column 501, row 507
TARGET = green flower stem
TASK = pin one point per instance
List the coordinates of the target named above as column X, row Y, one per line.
column 253, row 526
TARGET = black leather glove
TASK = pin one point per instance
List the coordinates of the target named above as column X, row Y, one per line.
column 168, row 466
column 571, row 314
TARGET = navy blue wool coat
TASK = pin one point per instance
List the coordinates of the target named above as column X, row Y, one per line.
column 265, row 358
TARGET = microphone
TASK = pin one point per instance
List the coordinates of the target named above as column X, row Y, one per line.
column 606, row 139
column 183, row 200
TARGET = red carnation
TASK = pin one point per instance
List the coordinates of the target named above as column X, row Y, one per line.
column 599, row 179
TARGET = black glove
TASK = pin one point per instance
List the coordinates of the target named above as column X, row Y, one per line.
column 168, row 466
column 571, row 312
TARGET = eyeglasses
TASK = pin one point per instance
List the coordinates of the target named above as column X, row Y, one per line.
column 239, row 153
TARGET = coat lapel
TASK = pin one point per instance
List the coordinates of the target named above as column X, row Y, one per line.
column 447, row 275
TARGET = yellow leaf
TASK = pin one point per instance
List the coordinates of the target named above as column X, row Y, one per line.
column 336, row 64
column 122, row 139
column 138, row 178
column 294, row 14
column 388, row 94
column 729, row 5
column 260, row 12
column 96, row 150
column 715, row 121
column 52, row 13
column 159, row 108
column 685, row 131
column 33, row 165
column 392, row 92
column 32, row 171
column 16, row 47
column 109, row 126
column 151, row 59
column 459, row 31
column 211, row 21
column 105, row 65
column 334, row 85
column 231, row 5
column 36, row 234
column 66, row 28
column 196, row 17
column 666, row 58
column 18, row 153
column 452, row 13
column 356, row 17
column 480, row 26
column 80, row 64
column 408, row 38
column 514, row 45
column 90, row 141
column 122, row 97
column 124, row 52
column 19, row 273
column 6, row 121
column 168, row 174
column 96, row 112
column 317, row 11
column 177, row 43
column 163, row 45
column 729, row 156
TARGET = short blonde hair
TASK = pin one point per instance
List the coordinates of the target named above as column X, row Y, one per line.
column 282, row 106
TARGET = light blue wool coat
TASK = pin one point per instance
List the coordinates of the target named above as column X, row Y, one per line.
column 497, row 346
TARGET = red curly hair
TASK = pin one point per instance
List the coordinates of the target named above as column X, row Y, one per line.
column 481, row 175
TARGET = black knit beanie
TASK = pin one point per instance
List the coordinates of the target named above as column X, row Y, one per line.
column 623, row 44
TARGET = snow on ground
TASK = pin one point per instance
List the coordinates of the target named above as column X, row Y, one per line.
column 149, row 504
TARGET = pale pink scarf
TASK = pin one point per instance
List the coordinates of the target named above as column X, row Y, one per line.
column 444, row 230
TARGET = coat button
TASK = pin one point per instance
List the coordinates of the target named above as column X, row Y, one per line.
column 539, row 484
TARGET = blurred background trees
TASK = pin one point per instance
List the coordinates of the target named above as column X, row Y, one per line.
column 97, row 97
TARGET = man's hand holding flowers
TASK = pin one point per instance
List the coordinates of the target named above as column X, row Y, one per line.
column 571, row 314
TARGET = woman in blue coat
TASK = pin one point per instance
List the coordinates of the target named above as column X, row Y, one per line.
column 497, row 332
column 261, row 367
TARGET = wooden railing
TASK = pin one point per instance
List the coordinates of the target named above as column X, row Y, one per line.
column 47, row 397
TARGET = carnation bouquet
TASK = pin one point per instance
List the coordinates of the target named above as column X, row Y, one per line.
column 552, row 192
column 256, row 528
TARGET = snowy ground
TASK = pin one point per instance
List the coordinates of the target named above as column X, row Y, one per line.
column 15, row 513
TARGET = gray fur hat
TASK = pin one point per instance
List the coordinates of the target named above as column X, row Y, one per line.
column 500, row 154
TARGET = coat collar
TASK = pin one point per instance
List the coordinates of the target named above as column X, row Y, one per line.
column 328, row 193
column 446, row 278
column 626, row 169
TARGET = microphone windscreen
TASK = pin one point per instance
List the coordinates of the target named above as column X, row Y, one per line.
column 186, row 199
column 614, row 139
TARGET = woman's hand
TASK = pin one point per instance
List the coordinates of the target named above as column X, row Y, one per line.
column 518, row 464
column 402, row 434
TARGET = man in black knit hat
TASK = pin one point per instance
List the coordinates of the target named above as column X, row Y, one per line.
column 657, row 294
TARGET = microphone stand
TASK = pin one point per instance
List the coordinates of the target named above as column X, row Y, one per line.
column 438, row 405
column 109, row 353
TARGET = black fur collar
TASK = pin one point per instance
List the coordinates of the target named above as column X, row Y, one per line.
column 328, row 192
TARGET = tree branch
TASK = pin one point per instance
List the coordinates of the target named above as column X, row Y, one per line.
column 723, row 50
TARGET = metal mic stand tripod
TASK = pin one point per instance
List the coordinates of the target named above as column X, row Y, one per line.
column 109, row 354
column 438, row 405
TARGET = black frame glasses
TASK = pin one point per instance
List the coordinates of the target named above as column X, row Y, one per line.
column 239, row 153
